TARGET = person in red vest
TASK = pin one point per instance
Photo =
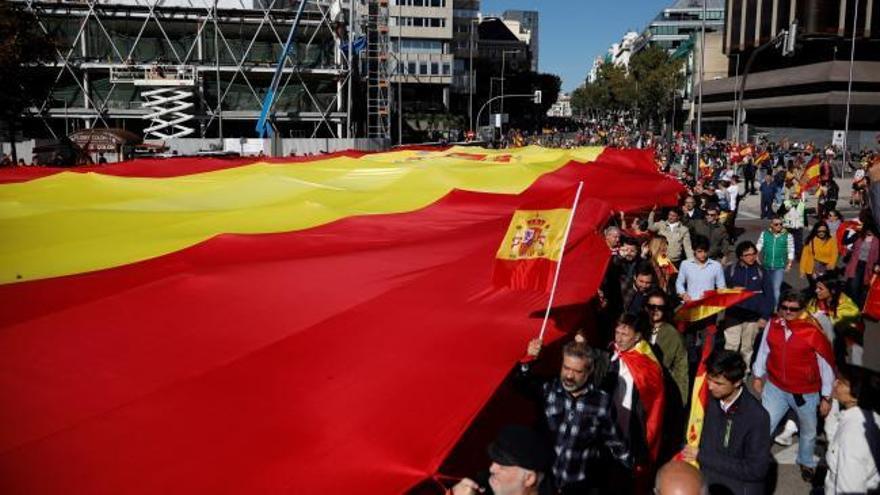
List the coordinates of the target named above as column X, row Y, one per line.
column 795, row 369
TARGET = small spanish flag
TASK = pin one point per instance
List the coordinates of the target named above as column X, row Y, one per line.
column 532, row 247
column 700, row 393
column 763, row 157
column 812, row 174
column 712, row 303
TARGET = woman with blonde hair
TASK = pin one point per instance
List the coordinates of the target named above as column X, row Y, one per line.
column 663, row 267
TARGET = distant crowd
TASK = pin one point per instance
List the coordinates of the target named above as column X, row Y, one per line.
column 797, row 361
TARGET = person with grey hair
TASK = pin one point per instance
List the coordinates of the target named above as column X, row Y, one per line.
column 612, row 238
column 579, row 418
column 520, row 458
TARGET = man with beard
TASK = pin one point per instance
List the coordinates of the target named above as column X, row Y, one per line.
column 520, row 458
column 734, row 451
column 636, row 293
column 579, row 418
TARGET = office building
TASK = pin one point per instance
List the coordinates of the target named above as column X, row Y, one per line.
column 794, row 93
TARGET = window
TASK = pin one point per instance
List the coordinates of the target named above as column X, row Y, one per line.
column 420, row 3
column 435, row 69
column 423, row 68
column 411, row 69
column 446, row 69
column 435, row 22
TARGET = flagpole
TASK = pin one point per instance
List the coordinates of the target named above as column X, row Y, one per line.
column 577, row 197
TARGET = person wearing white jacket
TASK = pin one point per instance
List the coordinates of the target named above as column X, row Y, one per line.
column 854, row 433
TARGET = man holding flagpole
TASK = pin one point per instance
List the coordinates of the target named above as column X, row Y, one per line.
column 579, row 417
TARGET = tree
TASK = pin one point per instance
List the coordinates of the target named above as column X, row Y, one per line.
column 23, row 45
column 657, row 76
column 611, row 93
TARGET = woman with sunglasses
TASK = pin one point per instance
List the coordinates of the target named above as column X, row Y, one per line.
column 831, row 301
column 819, row 255
column 668, row 345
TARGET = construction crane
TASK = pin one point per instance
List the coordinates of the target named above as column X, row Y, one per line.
column 264, row 127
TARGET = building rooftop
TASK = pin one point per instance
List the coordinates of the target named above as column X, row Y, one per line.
column 696, row 4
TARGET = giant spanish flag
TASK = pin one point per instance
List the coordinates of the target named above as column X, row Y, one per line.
column 323, row 326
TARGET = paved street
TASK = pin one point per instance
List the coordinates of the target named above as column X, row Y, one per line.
column 787, row 475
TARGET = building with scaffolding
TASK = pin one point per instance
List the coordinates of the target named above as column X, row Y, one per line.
column 200, row 68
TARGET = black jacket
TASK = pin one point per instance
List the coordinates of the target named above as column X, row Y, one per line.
column 739, row 467
column 755, row 279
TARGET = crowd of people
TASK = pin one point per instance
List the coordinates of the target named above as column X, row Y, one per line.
column 792, row 359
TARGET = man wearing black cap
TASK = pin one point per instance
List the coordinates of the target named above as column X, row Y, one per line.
column 519, row 460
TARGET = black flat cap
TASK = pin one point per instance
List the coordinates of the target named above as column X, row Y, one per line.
column 518, row 445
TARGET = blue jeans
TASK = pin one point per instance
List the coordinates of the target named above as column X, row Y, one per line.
column 776, row 277
column 777, row 403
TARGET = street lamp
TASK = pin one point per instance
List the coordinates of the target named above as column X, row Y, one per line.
column 503, row 65
column 471, row 75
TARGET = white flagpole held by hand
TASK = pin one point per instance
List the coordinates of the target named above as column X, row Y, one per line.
column 577, row 197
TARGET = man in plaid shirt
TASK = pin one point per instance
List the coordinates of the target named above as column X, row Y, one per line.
column 579, row 418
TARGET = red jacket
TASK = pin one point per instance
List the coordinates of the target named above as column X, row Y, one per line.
column 791, row 364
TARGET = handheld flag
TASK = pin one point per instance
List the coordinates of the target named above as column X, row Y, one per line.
column 648, row 380
column 763, row 157
column 700, row 394
column 712, row 303
column 532, row 249
column 812, row 174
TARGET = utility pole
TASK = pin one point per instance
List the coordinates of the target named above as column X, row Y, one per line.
column 852, row 55
column 217, row 70
column 501, row 126
column 399, row 75
column 471, row 79
column 700, row 94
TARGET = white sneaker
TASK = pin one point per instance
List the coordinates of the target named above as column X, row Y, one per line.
column 786, row 438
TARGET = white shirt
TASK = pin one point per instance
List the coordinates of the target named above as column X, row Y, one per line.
column 726, row 406
column 732, row 193
column 851, row 466
column 623, row 393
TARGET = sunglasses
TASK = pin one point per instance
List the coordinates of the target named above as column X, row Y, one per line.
column 790, row 308
column 655, row 307
column 821, row 231
column 776, row 225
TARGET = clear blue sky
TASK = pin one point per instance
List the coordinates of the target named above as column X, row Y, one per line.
column 573, row 32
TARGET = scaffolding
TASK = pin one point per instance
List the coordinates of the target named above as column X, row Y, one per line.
column 378, row 80
column 231, row 45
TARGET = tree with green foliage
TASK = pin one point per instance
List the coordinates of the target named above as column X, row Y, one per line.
column 656, row 77
column 644, row 91
column 23, row 45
